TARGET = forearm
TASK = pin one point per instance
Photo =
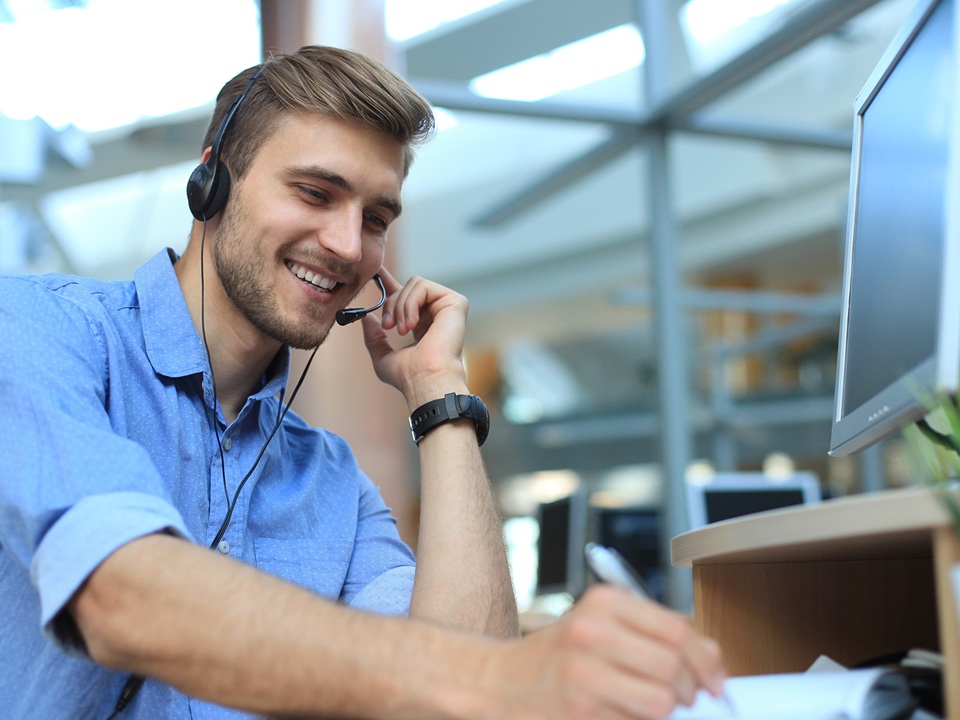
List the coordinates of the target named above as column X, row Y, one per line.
column 224, row 632
column 463, row 578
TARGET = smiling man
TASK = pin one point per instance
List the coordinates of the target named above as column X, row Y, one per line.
column 174, row 543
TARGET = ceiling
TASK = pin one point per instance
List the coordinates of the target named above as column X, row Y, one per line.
column 540, row 212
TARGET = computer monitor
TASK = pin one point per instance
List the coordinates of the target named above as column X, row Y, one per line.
column 563, row 535
column 900, row 321
column 729, row 495
column 634, row 532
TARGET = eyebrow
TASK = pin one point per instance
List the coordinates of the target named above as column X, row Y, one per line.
column 318, row 173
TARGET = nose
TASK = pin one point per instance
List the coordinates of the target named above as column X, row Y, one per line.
column 342, row 234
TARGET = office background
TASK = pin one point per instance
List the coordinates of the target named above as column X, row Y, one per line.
column 648, row 218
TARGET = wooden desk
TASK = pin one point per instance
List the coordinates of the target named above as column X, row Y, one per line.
column 852, row 578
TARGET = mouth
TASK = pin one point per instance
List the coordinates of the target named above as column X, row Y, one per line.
column 315, row 279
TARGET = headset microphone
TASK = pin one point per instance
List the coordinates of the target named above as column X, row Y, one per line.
column 345, row 317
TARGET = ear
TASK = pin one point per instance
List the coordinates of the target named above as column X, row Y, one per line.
column 208, row 187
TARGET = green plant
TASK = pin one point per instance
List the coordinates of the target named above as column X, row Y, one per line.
column 934, row 443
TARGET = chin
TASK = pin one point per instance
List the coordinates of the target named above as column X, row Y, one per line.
column 306, row 339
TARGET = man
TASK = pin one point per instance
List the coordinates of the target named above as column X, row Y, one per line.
column 182, row 538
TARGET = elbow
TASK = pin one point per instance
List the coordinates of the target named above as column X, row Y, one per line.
column 90, row 623
column 507, row 625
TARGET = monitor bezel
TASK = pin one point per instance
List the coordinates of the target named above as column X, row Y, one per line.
column 576, row 540
column 698, row 488
column 902, row 402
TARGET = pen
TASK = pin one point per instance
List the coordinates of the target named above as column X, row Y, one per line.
column 610, row 566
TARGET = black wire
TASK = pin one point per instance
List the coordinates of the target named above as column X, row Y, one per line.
column 213, row 378
column 236, row 494
column 129, row 692
column 135, row 682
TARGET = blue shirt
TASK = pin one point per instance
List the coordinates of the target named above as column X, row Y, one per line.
column 107, row 435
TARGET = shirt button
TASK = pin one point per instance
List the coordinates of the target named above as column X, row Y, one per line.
column 227, row 444
column 224, row 547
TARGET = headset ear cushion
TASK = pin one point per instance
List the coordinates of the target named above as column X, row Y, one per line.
column 208, row 189
column 220, row 190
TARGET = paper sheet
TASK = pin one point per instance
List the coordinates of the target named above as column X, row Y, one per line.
column 847, row 695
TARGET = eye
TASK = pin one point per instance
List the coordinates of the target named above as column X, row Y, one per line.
column 312, row 194
column 376, row 221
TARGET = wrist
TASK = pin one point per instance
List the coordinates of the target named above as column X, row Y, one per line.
column 473, row 694
column 430, row 386
column 451, row 408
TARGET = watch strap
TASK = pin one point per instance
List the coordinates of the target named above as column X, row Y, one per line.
column 450, row 408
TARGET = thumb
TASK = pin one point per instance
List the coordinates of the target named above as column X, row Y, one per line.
column 375, row 338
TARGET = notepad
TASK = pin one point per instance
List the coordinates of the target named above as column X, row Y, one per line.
column 870, row 694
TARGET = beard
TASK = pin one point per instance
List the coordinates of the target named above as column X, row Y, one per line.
column 240, row 268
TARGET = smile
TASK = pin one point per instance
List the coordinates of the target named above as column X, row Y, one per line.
column 309, row 276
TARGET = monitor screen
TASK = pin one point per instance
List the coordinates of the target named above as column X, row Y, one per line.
column 723, row 504
column 634, row 532
column 898, row 338
column 730, row 495
column 560, row 561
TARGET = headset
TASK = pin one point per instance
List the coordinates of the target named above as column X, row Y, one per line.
column 349, row 315
column 209, row 183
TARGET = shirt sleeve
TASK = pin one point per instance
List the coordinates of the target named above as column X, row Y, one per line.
column 381, row 572
column 105, row 523
column 72, row 490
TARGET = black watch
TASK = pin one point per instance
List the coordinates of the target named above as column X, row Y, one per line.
column 450, row 408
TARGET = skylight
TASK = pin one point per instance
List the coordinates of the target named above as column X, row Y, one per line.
column 716, row 30
column 406, row 19
column 114, row 62
column 571, row 66
column 709, row 20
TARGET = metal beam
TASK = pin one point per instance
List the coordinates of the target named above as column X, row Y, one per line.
column 455, row 96
column 144, row 149
column 806, row 26
column 674, row 399
column 778, row 135
column 508, row 34
column 676, row 111
column 762, row 302
column 570, row 173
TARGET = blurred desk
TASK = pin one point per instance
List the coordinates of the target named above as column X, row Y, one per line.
column 853, row 578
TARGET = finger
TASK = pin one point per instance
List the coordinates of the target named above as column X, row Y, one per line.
column 391, row 284
column 654, row 662
column 702, row 664
column 375, row 338
column 631, row 674
column 662, row 645
column 408, row 303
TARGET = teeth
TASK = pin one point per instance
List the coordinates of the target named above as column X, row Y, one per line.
column 314, row 279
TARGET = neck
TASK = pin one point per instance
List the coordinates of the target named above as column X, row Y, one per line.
column 239, row 353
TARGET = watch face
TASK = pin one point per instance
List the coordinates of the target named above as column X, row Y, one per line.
column 481, row 417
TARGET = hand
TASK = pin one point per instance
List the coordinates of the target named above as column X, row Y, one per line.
column 436, row 317
column 612, row 655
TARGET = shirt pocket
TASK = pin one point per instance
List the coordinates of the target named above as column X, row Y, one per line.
column 321, row 568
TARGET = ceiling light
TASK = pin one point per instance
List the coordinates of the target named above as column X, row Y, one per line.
column 406, row 19
column 575, row 65
column 709, row 20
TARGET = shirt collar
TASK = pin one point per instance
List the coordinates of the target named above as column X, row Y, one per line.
column 173, row 344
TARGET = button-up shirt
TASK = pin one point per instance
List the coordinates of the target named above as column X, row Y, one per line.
column 109, row 432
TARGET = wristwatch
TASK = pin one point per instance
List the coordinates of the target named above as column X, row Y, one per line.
column 450, row 408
